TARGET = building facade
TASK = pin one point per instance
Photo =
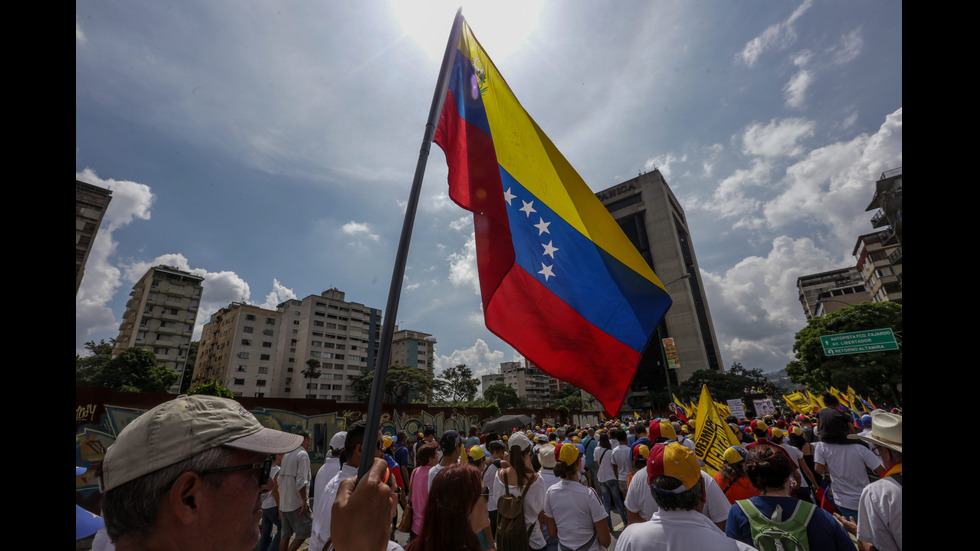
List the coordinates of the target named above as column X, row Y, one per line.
column 654, row 222
column 530, row 383
column 827, row 292
column 879, row 255
column 342, row 336
column 91, row 203
column 238, row 349
column 160, row 315
column 413, row 349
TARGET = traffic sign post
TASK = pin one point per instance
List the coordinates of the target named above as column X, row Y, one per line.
column 858, row 342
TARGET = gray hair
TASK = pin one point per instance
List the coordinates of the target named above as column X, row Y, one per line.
column 131, row 509
column 684, row 501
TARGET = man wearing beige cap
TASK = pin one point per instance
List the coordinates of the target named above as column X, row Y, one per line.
column 189, row 474
column 879, row 522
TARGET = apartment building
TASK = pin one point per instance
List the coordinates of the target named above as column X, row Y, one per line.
column 160, row 315
column 238, row 349
column 91, row 203
column 413, row 349
column 342, row 336
column 826, row 292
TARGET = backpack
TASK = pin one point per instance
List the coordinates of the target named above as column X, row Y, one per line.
column 773, row 535
column 513, row 533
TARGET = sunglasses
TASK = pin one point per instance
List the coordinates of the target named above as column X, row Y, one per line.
column 264, row 468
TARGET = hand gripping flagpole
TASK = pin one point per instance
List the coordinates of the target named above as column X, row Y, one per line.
column 373, row 420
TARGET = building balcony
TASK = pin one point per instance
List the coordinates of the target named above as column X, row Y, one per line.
column 895, row 257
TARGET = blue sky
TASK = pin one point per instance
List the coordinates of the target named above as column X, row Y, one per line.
column 270, row 146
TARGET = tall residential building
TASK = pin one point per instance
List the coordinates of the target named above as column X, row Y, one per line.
column 654, row 222
column 343, row 336
column 827, row 292
column 91, row 203
column 879, row 259
column 526, row 379
column 413, row 349
column 160, row 315
column 238, row 349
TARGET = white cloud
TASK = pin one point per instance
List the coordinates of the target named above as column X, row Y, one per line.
column 848, row 49
column 359, row 229
column 795, row 89
column 776, row 36
column 776, row 139
column 462, row 266
column 479, row 358
column 279, row 293
column 833, row 184
column 79, row 33
column 754, row 304
column 663, row 162
column 731, row 198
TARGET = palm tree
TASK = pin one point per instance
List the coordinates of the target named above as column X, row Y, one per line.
column 311, row 372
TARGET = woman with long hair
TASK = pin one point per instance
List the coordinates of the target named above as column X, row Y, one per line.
column 514, row 479
column 769, row 469
column 731, row 478
column 607, row 475
column 455, row 511
column 573, row 512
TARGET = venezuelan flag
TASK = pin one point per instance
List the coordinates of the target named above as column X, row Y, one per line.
column 560, row 281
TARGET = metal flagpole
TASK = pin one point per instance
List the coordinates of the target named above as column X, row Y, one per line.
column 373, row 420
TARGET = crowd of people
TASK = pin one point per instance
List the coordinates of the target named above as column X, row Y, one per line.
column 201, row 473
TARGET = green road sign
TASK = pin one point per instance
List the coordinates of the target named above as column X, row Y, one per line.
column 874, row 340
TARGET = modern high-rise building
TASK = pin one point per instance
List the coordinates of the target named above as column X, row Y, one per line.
column 826, row 292
column 342, row 336
column 91, row 203
column 160, row 315
column 654, row 222
column 238, row 349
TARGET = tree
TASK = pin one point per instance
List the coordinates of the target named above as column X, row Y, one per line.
column 136, row 370
column 503, row 395
column 211, row 388
column 727, row 385
column 402, row 383
column 873, row 374
column 311, row 372
column 460, row 385
column 87, row 367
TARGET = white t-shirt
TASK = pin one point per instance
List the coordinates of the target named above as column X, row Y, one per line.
column 623, row 458
column 639, row 498
column 269, row 500
column 488, row 477
column 323, row 503
column 847, row 464
column 604, row 459
column 677, row 530
column 293, row 477
column 797, row 456
column 533, row 504
column 575, row 509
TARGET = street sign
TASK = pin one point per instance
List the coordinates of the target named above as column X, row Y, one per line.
column 874, row 340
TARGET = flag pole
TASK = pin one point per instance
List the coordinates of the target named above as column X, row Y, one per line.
column 373, row 420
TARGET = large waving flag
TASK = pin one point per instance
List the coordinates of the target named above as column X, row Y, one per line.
column 713, row 436
column 560, row 281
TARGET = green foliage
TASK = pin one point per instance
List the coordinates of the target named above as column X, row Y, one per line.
column 460, row 385
column 503, row 395
column 211, row 388
column 311, row 372
column 135, row 370
column 87, row 367
column 873, row 374
column 402, row 384
column 562, row 413
column 723, row 386
column 573, row 402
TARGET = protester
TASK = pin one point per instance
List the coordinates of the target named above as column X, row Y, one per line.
column 419, row 485
column 520, row 479
column 675, row 483
column 731, row 478
column 770, row 472
column 456, row 509
column 361, row 514
column 573, row 512
column 607, row 476
column 848, row 466
column 270, row 513
column 189, row 474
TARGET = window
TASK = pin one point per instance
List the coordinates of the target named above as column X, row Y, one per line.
column 242, row 368
column 264, row 357
column 270, row 321
column 260, row 382
column 317, row 323
column 247, row 329
column 148, row 309
column 243, row 355
column 315, row 354
column 249, row 317
column 238, row 381
column 173, row 312
column 317, row 344
column 266, row 344
column 267, row 332
column 263, row 370
column 247, row 342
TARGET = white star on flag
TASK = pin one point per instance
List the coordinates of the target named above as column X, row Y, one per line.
column 542, row 226
column 546, row 270
column 549, row 249
column 527, row 208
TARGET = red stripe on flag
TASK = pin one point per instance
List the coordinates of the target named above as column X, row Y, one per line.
column 527, row 315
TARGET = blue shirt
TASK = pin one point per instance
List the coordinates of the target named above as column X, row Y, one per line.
column 823, row 532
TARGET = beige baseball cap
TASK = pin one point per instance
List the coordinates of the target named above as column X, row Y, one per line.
column 183, row 427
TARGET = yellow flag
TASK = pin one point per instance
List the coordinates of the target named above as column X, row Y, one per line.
column 798, row 402
column 815, row 402
column 852, row 397
column 712, row 436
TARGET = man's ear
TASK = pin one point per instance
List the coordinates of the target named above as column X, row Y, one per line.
column 184, row 498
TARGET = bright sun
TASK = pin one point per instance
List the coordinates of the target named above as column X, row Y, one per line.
column 501, row 26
